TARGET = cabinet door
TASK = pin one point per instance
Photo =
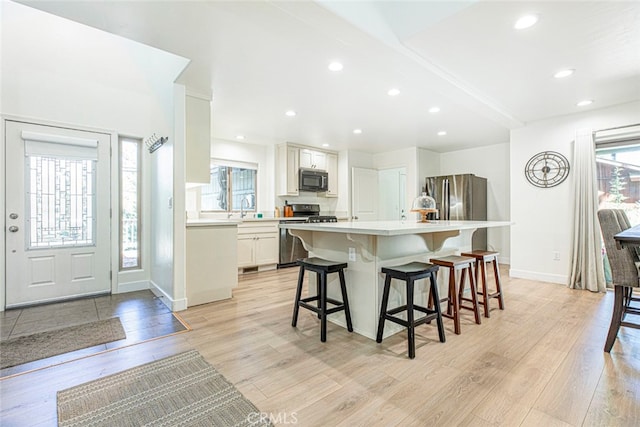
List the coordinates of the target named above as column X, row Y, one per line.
column 266, row 248
column 293, row 167
column 198, row 141
column 319, row 160
column 332, row 170
column 246, row 250
column 306, row 158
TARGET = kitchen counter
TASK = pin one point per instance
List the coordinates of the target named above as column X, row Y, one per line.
column 394, row 228
column 204, row 222
column 367, row 246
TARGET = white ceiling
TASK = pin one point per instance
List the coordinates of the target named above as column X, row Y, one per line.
column 262, row 58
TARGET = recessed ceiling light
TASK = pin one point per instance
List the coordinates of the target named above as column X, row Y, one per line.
column 526, row 22
column 239, row 136
column 564, row 73
column 434, row 109
column 393, row 92
column 336, row 66
column 357, row 131
column 585, row 103
column 290, row 113
column 325, row 145
column 442, row 133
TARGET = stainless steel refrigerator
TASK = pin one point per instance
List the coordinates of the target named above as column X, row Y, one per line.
column 461, row 197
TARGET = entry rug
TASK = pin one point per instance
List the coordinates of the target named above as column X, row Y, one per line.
column 181, row 390
column 19, row 350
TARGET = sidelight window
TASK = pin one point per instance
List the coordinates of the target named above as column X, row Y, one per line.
column 130, row 204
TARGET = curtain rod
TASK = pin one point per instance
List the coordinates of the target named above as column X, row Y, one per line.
column 619, row 127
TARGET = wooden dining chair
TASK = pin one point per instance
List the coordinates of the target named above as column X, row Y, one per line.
column 623, row 271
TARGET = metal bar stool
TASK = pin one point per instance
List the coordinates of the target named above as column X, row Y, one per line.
column 482, row 258
column 321, row 267
column 409, row 273
column 455, row 299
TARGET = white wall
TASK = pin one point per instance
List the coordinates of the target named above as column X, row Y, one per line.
column 542, row 217
column 57, row 71
column 491, row 162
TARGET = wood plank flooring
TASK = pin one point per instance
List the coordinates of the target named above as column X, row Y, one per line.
column 538, row 362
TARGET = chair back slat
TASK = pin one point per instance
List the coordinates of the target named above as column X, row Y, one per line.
column 622, row 261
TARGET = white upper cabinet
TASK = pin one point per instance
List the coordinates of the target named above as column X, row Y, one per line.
column 291, row 158
column 332, row 170
column 198, row 143
column 288, row 159
column 312, row 159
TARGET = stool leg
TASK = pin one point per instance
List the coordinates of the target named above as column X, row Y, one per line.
column 345, row 301
column 318, row 303
column 323, row 307
column 383, row 307
column 434, row 291
column 454, row 304
column 485, row 291
column 474, row 294
column 496, row 272
column 411, row 328
column 296, row 306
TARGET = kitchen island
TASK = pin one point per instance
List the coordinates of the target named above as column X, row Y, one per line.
column 367, row 246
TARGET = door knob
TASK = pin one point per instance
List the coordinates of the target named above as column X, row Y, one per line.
column 13, row 215
column 13, row 229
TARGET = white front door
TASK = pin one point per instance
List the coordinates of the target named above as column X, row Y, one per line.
column 364, row 194
column 57, row 213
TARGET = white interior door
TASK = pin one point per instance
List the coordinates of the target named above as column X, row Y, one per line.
column 364, row 194
column 57, row 213
column 392, row 185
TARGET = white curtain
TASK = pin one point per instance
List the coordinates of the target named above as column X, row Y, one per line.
column 587, row 271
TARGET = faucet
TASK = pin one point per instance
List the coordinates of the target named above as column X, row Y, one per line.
column 242, row 212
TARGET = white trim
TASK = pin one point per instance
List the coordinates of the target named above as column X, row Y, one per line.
column 173, row 305
column 234, row 163
column 140, row 285
column 59, row 139
column 542, row 277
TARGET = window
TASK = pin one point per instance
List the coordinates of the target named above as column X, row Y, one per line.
column 618, row 171
column 618, row 165
column 61, row 201
column 129, row 204
column 232, row 187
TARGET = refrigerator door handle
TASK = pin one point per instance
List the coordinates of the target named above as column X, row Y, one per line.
column 446, row 200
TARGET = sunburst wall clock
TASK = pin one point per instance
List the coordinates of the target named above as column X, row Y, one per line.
column 547, row 169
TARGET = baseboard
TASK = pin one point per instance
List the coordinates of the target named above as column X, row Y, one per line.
column 542, row 277
column 504, row 260
column 172, row 304
column 140, row 285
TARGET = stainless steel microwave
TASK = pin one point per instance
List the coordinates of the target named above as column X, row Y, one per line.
column 313, row 180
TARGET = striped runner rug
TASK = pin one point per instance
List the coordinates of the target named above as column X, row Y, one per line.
column 181, row 390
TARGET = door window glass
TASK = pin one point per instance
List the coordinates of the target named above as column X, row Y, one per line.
column 61, row 201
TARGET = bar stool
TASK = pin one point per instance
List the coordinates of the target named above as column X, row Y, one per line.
column 410, row 273
column 455, row 298
column 482, row 258
column 321, row 267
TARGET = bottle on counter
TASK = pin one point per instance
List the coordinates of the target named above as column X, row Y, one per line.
column 277, row 212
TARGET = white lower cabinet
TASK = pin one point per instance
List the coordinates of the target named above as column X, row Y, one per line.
column 210, row 263
column 258, row 245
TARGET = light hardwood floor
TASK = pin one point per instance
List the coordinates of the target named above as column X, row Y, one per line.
column 539, row 362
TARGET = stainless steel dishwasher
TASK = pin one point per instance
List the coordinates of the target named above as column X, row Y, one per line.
column 291, row 247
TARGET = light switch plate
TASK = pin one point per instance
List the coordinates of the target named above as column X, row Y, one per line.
column 352, row 254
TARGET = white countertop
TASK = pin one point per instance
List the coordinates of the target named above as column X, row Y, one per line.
column 393, row 228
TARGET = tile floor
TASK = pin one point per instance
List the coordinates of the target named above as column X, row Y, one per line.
column 142, row 314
